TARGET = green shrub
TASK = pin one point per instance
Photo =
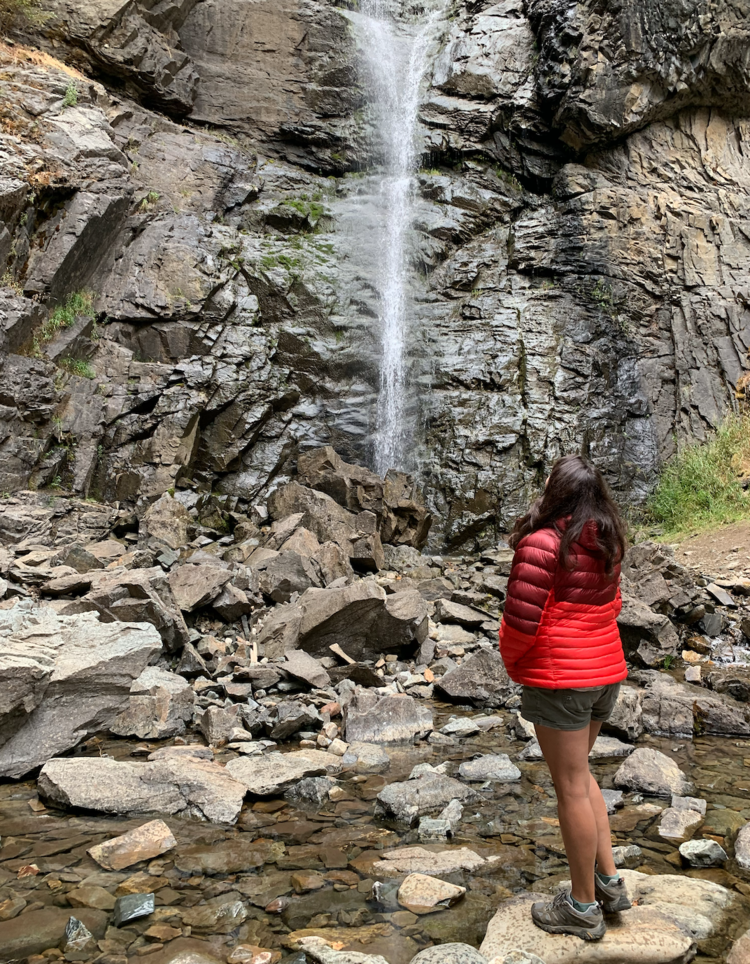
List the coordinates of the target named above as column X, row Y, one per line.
column 16, row 13
column 77, row 367
column 702, row 485
column 71, row 96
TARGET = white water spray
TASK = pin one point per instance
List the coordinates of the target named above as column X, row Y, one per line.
column 396, row 55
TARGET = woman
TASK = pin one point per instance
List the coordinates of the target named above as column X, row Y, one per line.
column 559, row 638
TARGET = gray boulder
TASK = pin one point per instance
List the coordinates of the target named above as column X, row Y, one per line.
column 702, row 853
column 62, row 679
column 626, row 720
column 652, row 772
column 194, row 586
column 450, row 954
column 190, row 786
column 160, row 705
column 287, row 573
column 167, row 521
column 647, row 637
column 676, row 709
column 360, row 618
column 273, row 773
column 428, row 793
column 495, row 767
column 390, row 719
column 481, row 679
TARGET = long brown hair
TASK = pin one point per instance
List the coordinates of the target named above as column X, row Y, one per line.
column 576, row 492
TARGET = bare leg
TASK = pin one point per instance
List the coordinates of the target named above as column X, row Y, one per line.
column 604, row 859
column 567, row 755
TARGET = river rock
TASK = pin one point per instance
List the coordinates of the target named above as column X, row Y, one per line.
column 417, row 860
column 742, row 847
column 314, row 790
column 450, row 954
column 480, row 679
column 628, row 856
column 652, row 772
column 702, row 908
column 318, row 949
column 679, row 824
column 38, row 930
column 160, row 705
column 191, row 787
column 366, row 758
column 407, row 801
column 676, row 709
column 702, row 853
column 461, row 726
column 146, row 842
column 389, row 720
column 495, row 767
column 422, row 894
column 360, row 618
column 62, row 679
column 689, row 803
column 273, row 773
column 613, row 799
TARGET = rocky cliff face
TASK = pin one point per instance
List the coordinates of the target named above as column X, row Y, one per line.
column 185, row 304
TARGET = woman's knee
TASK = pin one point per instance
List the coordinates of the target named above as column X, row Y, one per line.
column 571, row 786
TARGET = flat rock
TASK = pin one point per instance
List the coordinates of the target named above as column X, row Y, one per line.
column 366, row 758
column 391, row 719
column 144, row 843
column 452, row 612
column 422, row 894
column 407, row 801
column 450, row 954
column 301, row 666
column 194, row 586
column 417, row 860
column 463, row 726
column 497, row 767
column 679, row 824
column 39, row 930
column 234, row 856
column 191, row 787
column 273, row 773
column 652, row 772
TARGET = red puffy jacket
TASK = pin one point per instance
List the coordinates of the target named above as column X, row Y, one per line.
column 559, row 627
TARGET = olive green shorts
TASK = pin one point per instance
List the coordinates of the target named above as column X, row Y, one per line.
column 568, row 709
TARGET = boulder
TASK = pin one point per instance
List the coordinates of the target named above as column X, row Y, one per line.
column 233, row 603
column 496, row 767
column 407, row 801
column 303, row 667
column 191, row 787
column 652, row 772
column 679, row 824
column 453, row 612
column 742, row 847
column 702, row 853
column 451, row 954
column 390, row 719
column 161, row 704
column 39, row 930
column 359, row 618
column 63, row 678
column 146, row 842
column 366, row 758
column 481, row 679
column 417, row 860
column 194, row 586
column 422, row 894
column 356, row 534
column 167, row 521
column 285, row 574
column 647, row 637
column 679, row 709
column 270, row 775
column 626, row 720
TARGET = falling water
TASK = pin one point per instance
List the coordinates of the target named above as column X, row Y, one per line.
column 396, row 56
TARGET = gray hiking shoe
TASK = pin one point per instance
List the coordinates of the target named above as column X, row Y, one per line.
column 559, row 916
column 613, row 897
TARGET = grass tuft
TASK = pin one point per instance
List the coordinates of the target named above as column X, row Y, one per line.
column 77, row 367
column 702, row 485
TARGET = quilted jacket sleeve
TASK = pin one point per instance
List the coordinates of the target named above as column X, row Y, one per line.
column 532, row 577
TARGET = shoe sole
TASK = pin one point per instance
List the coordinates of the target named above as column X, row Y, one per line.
column 585, row 933
column 615, row 906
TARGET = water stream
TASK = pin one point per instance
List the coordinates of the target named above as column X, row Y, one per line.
column 396, row 56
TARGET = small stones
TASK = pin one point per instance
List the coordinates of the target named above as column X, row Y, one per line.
column 450, row 954
column 426, row 895
column 148, row 841
column 702, row 853
column 496, row 767
column 132, row 907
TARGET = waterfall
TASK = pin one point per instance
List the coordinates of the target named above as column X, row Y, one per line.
column 396, row 57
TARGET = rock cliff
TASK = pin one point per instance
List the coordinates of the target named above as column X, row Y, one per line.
column 185, row 306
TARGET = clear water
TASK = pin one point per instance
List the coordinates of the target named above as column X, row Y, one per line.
column 396, row 54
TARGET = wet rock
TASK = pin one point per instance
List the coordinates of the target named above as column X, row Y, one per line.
column 652, row 772
column 272, row 774
column 359, row 618
column 38, row 930
column 613, row 799
column 627, row 856
column 462, row 726
column 64, row 678
column 679, row 824
column 167, row 521
column 193, row 787
column 689, row 803
column 231, row 856
column 702, row 853
column 417, row 860
column 407, row 801
column 317, row 949
column 148, row 841
column 160, row 705
column 626, row 720
column 300, row 666
column 132, row 907
column 450, row 954
column 391, row 719
column 216, row 916
column 427, row 895
column 311, row 790
column 481, row 679
column 492, row 767
column 366, row 758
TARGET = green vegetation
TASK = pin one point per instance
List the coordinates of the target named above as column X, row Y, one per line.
column 15, row 13
column 702, row 485
column 64, row 316
column 71, row 96
column 77, row 367
column 151, row 198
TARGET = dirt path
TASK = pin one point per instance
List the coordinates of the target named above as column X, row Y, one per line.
column 721, row 553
